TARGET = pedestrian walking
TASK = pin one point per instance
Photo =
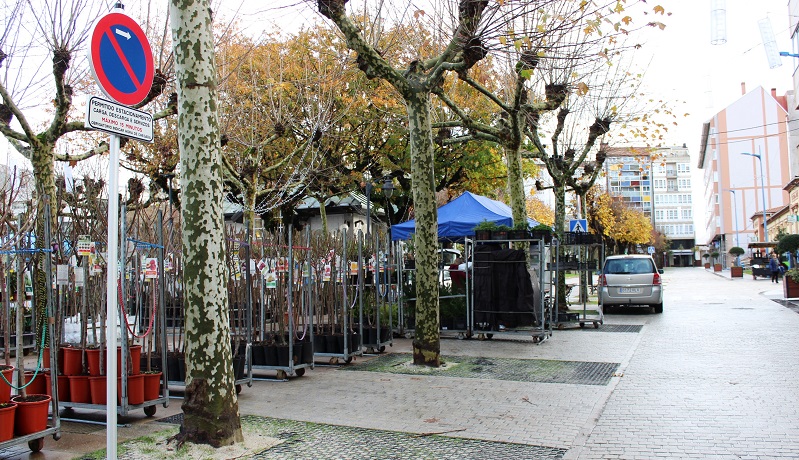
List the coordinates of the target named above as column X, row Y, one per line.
column 774, row 266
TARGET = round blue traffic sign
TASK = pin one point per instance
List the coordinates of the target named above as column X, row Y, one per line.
column 121, row 59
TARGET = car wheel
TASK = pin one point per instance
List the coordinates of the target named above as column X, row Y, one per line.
column 658, row 307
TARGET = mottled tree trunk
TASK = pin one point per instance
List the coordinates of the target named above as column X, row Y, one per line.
column 516, row 185
column 427, row 343
column 43, row 163
column 322, row 214
column 211, row 412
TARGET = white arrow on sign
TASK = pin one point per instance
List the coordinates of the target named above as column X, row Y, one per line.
column 123, row 33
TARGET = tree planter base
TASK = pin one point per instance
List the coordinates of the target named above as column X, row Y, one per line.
column 717, row 267
column 790, row 288
column 737, row 272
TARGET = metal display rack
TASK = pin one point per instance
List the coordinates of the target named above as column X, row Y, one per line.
column 155, row 311
column 346, row 296
column 292, row 285
column 577, row 249
column 539, row 324
column 35, row 440
column 380, row 265
column 404, row 294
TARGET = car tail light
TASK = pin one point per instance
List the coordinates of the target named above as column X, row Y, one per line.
column 602, row 280
column 656, row 279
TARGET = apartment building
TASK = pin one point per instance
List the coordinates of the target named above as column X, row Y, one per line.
column 744, row 152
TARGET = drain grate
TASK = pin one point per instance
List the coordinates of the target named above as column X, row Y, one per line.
column 176, row 419
column 635, row 328
column 517, row 370
column 789, row 304
column 311, row 440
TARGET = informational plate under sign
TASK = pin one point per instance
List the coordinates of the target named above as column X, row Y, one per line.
column 108, row 116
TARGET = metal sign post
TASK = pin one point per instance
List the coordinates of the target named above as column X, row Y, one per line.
column 111, row 298
column 121, row 61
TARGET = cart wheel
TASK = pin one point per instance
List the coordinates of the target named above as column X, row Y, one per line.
column 461, row 336
column 238, row 389
column 300, row 372
column 582, row 325
column 382, row 348
column 150, row 411
column 536, row 339
column 348, row 360
column 561, row 326
column 596, row 324
column 36, row 445
column 489, row 336
column 281, row 374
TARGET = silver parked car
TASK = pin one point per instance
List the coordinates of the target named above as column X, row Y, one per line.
column 630, row 280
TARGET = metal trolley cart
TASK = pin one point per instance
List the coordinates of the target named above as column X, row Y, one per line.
column 508, row 292
column 35, row 439
column 141, row 296
column 284, row 323
column 582, row 253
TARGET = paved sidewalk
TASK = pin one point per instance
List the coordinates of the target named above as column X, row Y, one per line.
column 714, row 376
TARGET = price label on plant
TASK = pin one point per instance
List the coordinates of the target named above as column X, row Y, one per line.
column 85, row 246
column 62, row 275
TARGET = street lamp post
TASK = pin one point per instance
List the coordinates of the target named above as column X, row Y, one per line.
column 762, row 191
column 735, row 211
column 388, row 190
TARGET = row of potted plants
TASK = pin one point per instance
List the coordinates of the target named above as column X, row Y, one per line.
column 487, row 230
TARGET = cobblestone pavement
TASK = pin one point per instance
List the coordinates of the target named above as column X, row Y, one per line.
column 714, row 376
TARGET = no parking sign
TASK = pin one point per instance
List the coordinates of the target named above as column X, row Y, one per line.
column 121, row 59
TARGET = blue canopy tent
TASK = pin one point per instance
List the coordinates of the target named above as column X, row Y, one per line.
column 458, row 218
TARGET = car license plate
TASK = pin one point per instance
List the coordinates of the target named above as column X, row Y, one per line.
column 629, row 290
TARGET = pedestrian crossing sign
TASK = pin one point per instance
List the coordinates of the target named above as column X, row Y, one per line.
column 578, row 225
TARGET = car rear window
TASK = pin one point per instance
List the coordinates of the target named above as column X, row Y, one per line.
column 628, row 266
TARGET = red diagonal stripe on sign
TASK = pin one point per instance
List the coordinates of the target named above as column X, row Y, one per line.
column 123, row 58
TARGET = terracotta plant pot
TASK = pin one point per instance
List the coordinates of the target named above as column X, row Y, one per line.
column 31, row 415
column 93, row 362
column 5, row 387
column 716, row 267
column 59, row 358
column 62, row 382
column 152, row 385
column 736, row 272
column 73, row 361
column 135, row 357
column 135, row 389
column 37, row 386
column 97, row 388
column 79, row 390
column 7, row 412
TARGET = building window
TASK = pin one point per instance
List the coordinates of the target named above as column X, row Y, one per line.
column 687, row 214
column 684, row 167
